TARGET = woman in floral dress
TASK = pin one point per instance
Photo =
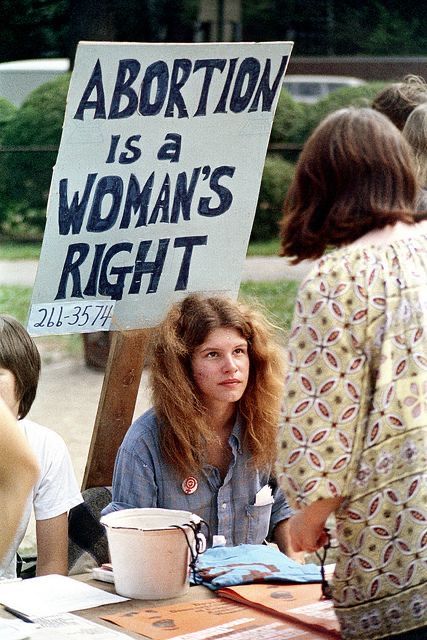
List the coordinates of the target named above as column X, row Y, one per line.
column 355, row 412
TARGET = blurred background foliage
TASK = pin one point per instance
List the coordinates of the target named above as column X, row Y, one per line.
column 52, row 28
column 30, row 135
column 25, row 175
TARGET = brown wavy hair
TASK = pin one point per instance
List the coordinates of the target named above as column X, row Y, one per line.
column 19, row 354
column 185, row 429
column 397, row 100
column 356, row 173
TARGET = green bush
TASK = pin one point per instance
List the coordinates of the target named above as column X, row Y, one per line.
column 294, row 121
column 276, row 178
column 289, row 119
column 361, row 96
column 25, row 175
column 7, row 113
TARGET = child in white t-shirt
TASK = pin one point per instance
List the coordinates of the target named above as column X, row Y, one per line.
column 56, row 490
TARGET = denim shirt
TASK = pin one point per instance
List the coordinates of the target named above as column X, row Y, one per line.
column 143, row 479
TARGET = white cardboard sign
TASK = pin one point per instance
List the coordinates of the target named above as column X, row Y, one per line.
column 156, row 182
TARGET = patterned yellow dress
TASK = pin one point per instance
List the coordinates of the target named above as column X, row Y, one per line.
column 355, row 425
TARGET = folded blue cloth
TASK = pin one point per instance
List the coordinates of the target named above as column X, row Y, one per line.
column 227, row 566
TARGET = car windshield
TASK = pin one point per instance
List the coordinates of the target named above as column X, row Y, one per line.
column 303, row 88
column 333, row 86
column 310, row 89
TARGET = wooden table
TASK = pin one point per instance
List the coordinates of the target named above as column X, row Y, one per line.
column 93, row 614
column 197, row 593
column 194, row 593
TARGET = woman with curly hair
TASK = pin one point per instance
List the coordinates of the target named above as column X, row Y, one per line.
column 208, row 445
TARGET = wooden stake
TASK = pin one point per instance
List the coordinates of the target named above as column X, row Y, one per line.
column 116, row 404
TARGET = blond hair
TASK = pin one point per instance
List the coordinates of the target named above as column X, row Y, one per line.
column 415, row 132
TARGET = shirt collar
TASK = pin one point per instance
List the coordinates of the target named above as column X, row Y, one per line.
column 237, row 433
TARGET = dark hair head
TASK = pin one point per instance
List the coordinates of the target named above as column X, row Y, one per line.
column 19, row 354
column 398, row 99
column 356, row 173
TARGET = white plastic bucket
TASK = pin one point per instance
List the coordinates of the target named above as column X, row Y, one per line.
column 150, row 558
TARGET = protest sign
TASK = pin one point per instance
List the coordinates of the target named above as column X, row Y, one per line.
column 156, row 182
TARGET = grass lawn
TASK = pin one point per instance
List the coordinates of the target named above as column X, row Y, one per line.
column 277, row 298
column 267, row 248
column 31, row 250
column 19, row 250
column 15, row 301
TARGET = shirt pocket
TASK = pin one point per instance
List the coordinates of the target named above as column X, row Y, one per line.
column 258, row 522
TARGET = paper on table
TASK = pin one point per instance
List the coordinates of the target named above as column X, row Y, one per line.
column 67, row 626
column 13, row 630
column 49, row 595
column 209, row 619
column 296, row 602
column 244, row 630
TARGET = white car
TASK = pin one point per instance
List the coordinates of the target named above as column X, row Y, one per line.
column 311, row 88
column 20, row 77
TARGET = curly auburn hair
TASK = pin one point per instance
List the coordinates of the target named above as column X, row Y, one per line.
column 355, row 173
column 185, row 428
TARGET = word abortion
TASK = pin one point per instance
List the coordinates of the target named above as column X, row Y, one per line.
column 243, row 85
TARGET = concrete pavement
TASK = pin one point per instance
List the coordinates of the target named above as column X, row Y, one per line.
column 19, row 272
column 23, row 272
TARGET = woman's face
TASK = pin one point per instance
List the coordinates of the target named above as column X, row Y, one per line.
column 8, row 390
column 221, row 367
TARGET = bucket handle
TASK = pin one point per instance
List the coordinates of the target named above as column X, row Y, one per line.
column 199, row 542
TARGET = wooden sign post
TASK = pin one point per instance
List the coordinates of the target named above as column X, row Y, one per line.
column 116, row 404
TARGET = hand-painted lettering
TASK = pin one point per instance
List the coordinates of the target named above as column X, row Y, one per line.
column 115, row 203
column 209, row 66
column 98, row 105
column 126, row 76
column 246, row 84
column 108, row 275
